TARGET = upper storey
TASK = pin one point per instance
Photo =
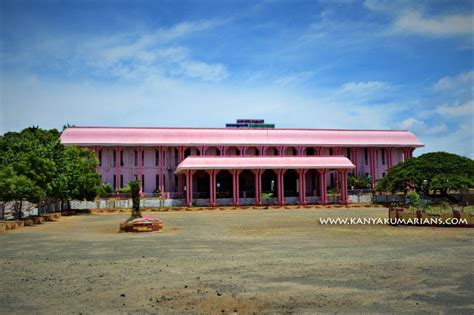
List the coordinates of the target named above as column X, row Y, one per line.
column 129, row 136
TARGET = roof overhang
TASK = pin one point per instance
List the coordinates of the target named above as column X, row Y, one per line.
column 263, row 162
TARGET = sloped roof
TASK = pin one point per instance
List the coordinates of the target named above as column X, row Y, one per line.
column 263, row 162
column 127, row 136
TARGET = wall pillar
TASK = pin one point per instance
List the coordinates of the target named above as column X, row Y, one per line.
column 181, row 177
column 323, row 186
column 373, row 165
column 222, row 150
column 343, row 198
column 262, row 150
column 117, row 167
column 388, row 153
column 161, row 169
column 408, row 153
column 281, row 151
column 140, row 167
column 354, row 160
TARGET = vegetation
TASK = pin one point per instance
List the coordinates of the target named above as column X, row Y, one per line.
column 35, row 166
column 135, row 190
column 431, row 173
column 361, row 182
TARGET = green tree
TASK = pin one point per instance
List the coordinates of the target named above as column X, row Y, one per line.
column 14, row 187
column 135, row 190
column 361, row 182
column 437, row 172
column 39, row 167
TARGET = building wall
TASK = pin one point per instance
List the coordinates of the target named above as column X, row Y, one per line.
column 150, row 169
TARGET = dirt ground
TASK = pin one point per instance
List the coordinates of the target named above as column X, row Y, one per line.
column 245, row 262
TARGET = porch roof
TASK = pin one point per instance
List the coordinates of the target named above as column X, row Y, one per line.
column 263, row 162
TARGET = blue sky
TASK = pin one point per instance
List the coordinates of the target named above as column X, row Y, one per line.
column 312, row 64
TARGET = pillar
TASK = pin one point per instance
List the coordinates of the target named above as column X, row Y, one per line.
column 161, row 167
column 189, row 188
column 343, row 198
column 281, row 187
column 222, row 150
column 300, row 151
column 373, row 165
column 117, row 167
column 389, row 161
column 281, row 151
column 302, row 185
column 212, row 187
column 181, row 177
column 354, row 160
column 235, row 186
column 140, row 167
column 323, row 186
column 258, row 187
column 262, row 150
column 408, row 153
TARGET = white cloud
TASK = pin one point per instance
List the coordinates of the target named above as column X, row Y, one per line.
column 457, row 110
column 410, row 17
column 369, row 86
column 294, row 78
column 415, row 22
column 455, row 82
column 421, row 128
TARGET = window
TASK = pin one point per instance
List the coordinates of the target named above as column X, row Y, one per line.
column 121, row 158
column 135, row 157
column 176, row 183
column 157, row 157
column 114, row 158
column 349, row 154
column 383, row 156
column 330, row 151
column 143, row 157
column 115, row 182
column 383, row 174
column 100, row 157
column 143, row 182
column 366, row 156
column 121, row 180
column 176, row 157
column 309, row 151
column 157, row 182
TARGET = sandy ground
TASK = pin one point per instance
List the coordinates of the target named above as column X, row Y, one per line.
column 246, row 261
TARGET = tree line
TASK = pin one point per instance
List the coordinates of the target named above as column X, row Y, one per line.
column 35, row 166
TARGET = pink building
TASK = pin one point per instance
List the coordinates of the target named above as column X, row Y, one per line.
column 227, row 165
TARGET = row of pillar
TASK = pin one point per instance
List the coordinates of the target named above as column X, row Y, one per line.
column 408, row 153
column 258, row 186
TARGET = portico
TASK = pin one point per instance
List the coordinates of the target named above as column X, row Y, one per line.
column 276, row 169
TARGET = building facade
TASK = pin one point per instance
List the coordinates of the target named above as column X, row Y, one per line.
column 289, row 165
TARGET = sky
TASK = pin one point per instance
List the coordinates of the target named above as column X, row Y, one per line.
column 298, row 64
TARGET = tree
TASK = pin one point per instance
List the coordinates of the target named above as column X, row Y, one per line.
column 35, row 166
column 361, row 182
column 436, row 172
column 135, row 190
column 14, row 187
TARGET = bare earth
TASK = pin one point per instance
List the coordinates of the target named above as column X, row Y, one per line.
column 245, row 261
